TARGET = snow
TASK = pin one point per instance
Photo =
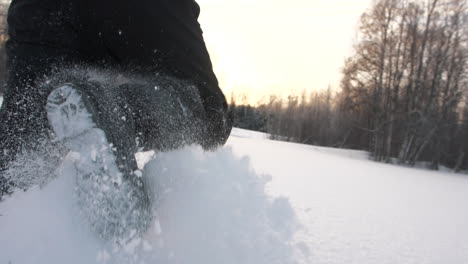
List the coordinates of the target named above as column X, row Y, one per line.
column 256, row 201
column 243, row 133
column 359, row 211
column 208, row 208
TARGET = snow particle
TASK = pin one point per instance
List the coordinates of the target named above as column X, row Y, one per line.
column 157, row 227
column 138, row 173
column 93, row 155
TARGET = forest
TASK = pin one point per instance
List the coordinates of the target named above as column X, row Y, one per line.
column 402, row 95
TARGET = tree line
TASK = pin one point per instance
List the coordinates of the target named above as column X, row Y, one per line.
column 403, row 92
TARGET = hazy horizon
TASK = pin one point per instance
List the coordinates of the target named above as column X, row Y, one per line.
column 263, row 47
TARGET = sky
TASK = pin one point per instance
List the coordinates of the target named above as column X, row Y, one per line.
column 263, row 47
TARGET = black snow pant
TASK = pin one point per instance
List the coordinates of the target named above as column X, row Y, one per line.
column 158, row 42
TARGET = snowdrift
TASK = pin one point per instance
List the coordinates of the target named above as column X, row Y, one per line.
column 208, row 207
column 212, row 208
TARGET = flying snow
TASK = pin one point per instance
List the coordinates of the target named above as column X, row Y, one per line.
column 209, row 207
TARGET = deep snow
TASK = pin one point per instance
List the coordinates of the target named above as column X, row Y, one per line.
column 226, row 207
column 208, row 207
column 359, row 211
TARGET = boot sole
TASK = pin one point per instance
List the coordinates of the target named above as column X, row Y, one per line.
column 109, row 203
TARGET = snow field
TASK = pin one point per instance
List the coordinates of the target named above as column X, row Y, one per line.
column 255, row 201
column 359, row 211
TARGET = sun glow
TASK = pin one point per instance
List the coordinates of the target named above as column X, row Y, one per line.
column 263, row 47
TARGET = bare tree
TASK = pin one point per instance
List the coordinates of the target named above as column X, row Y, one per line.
column 402, row 94
column 408, row 74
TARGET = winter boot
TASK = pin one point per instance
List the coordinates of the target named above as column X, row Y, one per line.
column 109, row 189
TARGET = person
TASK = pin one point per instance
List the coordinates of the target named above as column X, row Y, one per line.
column 137, row 68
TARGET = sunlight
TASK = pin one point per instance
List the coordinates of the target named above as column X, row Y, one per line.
column 287, row 46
